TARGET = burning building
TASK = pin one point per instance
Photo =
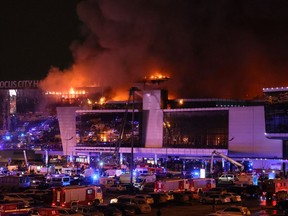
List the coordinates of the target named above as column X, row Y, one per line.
column 25, row 99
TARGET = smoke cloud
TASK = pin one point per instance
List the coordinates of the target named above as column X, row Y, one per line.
column 229, row 49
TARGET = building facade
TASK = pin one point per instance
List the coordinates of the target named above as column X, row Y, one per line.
column 151, row 127
column 232, row 128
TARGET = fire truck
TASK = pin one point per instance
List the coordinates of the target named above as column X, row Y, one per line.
column 167, row 185
column 202, row 184
column 275, row 189
column 13, row 209
column 70, row 195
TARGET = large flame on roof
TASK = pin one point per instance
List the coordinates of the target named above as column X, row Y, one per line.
column 65, row 81
column 72, row 93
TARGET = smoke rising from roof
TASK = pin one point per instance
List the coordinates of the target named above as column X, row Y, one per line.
column 209, row 48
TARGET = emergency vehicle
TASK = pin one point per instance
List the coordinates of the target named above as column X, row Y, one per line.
column 83, row 195
column 143, row 179
column 11, row 181
column 167, row 185
column 149, row 170
column 274, row 188
column 58, row 180
column 15, row 208
column 202, row 184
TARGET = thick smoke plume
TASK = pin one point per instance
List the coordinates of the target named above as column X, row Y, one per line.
column 229, row 49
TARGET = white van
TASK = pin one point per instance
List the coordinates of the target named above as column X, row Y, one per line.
column 227, row 178
column 58, row 180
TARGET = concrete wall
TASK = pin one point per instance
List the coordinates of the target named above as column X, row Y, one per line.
column 247, row 134
column 67, row 125
column 152, row 119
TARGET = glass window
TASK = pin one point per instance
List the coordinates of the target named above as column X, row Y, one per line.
column 276, row 112
column 196, row 129
column 106, row 128
column 66, row 179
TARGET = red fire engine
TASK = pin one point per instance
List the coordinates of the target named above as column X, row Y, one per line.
column 84, row 195
column 13, row 208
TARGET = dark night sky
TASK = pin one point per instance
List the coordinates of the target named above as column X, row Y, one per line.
column 209, row 48
column 35, row 35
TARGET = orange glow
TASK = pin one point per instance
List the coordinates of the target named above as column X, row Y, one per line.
column 102, row 100
column 67, row 94
column 157, row 77
column 167, row 124
column 122, row 95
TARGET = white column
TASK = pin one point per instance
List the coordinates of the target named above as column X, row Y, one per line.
column 121, row 158
column 155, row 159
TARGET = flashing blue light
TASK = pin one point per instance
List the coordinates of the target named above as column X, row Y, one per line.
column 95, row 177
column 271, row 175
column 7, row 137
column 196, row 174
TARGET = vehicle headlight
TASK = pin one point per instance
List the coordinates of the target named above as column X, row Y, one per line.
column 114, row 200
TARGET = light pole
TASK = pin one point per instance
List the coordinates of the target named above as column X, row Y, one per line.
column 132, row 92
column 167, row 126
column 67, row 156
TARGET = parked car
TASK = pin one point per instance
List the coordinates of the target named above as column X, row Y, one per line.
column 43, row 212
column 214, row 198
column 140, row 204
column 12, row 208
column 68, row 211
column 216, row 190
column 126, row 209
column 227, row 178
column 159, row 198
column 235, row 210
column 169, row 196
column 37, row 181
column 148, row 198
column 76, row 179
column 39, row 196
column 19, row 197
column 181, row 197
column 252, row 192
column 233, row 197
column 87, row 210
column 237, row 189
column 116, row 188
column 109, row 210
column 148, row 187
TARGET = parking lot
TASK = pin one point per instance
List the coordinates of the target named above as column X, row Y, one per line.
column 179, row 207
column 195, row 208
